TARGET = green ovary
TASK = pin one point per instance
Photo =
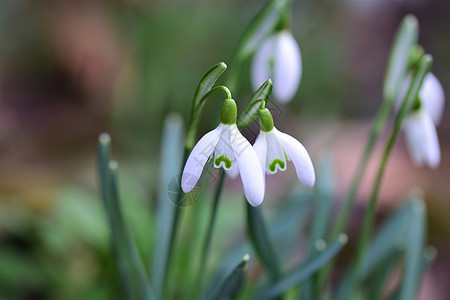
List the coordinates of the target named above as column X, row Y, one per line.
column 274, row 163
column 223, row 159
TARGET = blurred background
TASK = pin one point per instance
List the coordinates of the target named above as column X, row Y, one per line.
column 70, row 70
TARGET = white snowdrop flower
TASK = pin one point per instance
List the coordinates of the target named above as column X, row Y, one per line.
column 432, row 95
column 279, row 58
column 420, row 125
column 275, row 148
column 229, row 150
column 421, row 139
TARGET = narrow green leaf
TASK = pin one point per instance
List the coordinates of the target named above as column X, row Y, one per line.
column 280, row 230
column 261, row 27
column 230, row 287
column 428, row 257
column 414, row 248
column 322, row 205
column 251, row 111
column 405, row 38
column 381, row 275
column 104, row 157
column 261, row 241
column 321, row 215
column 126, row 244
column 387, row 240
column 171, row 156
column 204, row 86
column 304, row 271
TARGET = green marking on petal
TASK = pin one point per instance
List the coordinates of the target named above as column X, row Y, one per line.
column 223, row 159
column 273, row 165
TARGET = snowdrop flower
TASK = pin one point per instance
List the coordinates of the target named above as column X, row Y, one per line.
column 229, row 150
column 275, row 148
column 278, row 58
column 420, row 126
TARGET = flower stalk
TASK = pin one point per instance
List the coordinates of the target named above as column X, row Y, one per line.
column 369, row 217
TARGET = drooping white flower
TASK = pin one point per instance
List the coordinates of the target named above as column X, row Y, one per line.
column 432, row 95
column 229, row 150
column 279, row 58
column 275, row 148
column 420, row 125
column 421, row 139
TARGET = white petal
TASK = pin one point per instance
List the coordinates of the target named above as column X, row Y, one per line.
column 250, row 169
column 299, row 156
column 223, row 147
column 413, row 137
column 422, row 140
column 233, row 172
column 279, row 58
column 432, row 95
column 432, row 152
column 260, row 147
column 287, row 68
column 275, row 154
column 198, row 158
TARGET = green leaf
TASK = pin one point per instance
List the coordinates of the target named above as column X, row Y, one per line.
column 251, row 111
column 126, row 246
column 261, row 241
column 321, row 215
column 261, row 27
column 405, row 38
column 396, row 233
column 171, row 159
column 304, row 271
column 230, row 287
column 204, row 86
column 413, row 251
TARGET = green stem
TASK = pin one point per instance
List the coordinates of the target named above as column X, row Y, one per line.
column 369, row 218
column 208, row 237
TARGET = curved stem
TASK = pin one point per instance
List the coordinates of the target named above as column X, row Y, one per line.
column 216, row 88
column 369, row 217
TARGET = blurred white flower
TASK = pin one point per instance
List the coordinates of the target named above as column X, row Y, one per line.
column 420, row 126
column 275, row 148
column 421, row 139
column 432, row 95
column 279, row 58
column 231, row 151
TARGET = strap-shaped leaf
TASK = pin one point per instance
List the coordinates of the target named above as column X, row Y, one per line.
column 171, row 156
column 321, row 215
column 304, row 271
column 128, row 260
column 414, row 248
column 396, row 233
column 251, row 111
column 230, row 287
column 405, row 38
column 261, row 241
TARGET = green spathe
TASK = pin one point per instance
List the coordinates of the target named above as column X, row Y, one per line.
column 228, row 114
column 265, row 120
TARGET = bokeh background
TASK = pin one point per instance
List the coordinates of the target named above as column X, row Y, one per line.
column 70, row 70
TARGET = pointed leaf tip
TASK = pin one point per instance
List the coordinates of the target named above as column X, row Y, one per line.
column 104, row 138
column 113, row 165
